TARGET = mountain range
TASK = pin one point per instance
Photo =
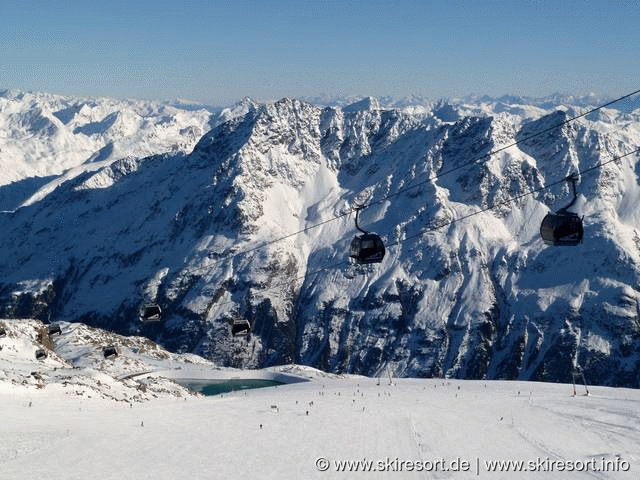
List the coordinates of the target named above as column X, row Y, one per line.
column 247, row 213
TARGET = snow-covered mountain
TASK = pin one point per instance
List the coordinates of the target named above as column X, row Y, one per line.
column 43, row 136
column 71, row 358
column 205, row 234
column 73, row 362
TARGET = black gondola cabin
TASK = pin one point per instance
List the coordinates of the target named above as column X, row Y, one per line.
column 110, row 352
column 367, row 248
column 240, row 328
column 55, row 329
column 151, row 313
column 562, row 229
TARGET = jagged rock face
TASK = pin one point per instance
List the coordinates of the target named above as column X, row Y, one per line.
column 205, row 235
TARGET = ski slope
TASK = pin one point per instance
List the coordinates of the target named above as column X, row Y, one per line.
column 405, row 428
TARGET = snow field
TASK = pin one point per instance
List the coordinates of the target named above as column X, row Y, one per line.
column 242, row 435
column 86, row 417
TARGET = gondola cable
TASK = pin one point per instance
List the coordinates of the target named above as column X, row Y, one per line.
column 501, row 149
column 476, row 160
column 315, row 272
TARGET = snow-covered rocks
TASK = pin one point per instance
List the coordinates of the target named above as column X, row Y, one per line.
column 254, row 224
column 73, row 362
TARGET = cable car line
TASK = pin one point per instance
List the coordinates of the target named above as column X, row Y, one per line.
column 450, row 222
column 475, row 160
column 517, row 197
column 501, row 149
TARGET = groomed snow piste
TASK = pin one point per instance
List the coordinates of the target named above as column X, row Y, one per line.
column 76, row 415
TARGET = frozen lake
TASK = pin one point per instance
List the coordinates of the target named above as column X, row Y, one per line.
column 216, row 387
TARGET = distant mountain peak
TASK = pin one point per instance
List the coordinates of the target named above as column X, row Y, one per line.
column 366, row 104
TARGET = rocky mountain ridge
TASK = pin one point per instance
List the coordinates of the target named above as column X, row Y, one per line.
column 254, row 224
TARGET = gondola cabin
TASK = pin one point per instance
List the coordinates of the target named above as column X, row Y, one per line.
column 367, row 248
column 55, row 329
column 562, row 229
column 110, row 352
column 151, row 313
column 41, row 354
column 240, row 328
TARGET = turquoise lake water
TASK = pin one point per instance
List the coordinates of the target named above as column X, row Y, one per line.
column 216, row 387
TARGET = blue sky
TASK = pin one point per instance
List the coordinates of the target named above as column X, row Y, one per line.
column 220, row 51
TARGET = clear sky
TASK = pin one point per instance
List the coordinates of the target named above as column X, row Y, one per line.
column 220, row 51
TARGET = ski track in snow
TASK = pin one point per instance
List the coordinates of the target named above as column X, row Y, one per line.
column 68, row 425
